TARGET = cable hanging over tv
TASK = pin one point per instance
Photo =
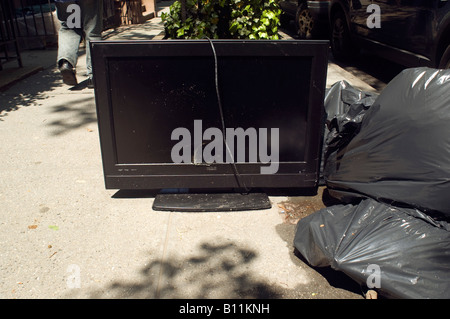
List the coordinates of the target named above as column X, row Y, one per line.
column 206, row 116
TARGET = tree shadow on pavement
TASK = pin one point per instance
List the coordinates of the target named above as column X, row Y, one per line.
column 217, row 270
column 145, row 31
column 44, row 89
column 30, row 91
column 79, row 111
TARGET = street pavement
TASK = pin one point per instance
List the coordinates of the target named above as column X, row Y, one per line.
column 63, row 235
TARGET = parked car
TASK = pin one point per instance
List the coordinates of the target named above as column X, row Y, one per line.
column 310, row 17
column 411, row 33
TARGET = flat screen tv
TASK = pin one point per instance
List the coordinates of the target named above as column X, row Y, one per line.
column 210, row 114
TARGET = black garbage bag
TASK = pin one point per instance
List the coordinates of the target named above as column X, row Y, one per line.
column 399, row 151
column 345, row 107
column 400, row 252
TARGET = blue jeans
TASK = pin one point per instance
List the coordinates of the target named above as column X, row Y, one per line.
column 91, row 26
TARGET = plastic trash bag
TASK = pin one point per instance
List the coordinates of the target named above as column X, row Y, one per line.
column 400, row 252
column 345, row 107
column 398, row 150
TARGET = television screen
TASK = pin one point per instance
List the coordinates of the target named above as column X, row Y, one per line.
column 210, row 114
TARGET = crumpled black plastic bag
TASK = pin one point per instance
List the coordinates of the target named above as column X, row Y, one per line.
column 410, row 249
column 345, row 107
column 399, row 150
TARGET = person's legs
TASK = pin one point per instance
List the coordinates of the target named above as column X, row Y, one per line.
column 68, row 44
column 92, row 20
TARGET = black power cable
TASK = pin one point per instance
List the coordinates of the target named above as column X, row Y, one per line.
column 238, row 177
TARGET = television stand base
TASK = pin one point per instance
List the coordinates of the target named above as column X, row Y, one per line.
column 211, row 202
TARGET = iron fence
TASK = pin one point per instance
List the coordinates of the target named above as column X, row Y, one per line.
column 35, row 22
column 9, row 48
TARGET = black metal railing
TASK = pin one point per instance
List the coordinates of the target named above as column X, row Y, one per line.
column 36, row 23
column 9, row 48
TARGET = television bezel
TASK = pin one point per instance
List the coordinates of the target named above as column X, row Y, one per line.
column 171, row 175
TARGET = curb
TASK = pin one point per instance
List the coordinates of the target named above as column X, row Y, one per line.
column 17, row 75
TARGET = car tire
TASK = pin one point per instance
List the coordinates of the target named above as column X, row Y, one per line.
column 445, row 59
column 341, row 43
column 304, row 22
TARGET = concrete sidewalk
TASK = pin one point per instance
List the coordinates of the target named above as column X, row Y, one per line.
column 64, row 236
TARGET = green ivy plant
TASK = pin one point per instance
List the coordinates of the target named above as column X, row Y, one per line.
column 255, row 19
column 238, row 19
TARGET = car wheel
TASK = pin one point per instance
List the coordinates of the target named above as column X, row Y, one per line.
column 445, row 59
column 341, row 44
column 304, row 23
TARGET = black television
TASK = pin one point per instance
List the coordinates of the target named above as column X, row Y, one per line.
column 210, row 116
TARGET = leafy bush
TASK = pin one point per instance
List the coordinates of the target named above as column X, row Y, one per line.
column 238, row 19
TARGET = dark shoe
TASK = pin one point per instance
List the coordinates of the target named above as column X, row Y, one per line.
column 90, row 83
column 68, row 73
